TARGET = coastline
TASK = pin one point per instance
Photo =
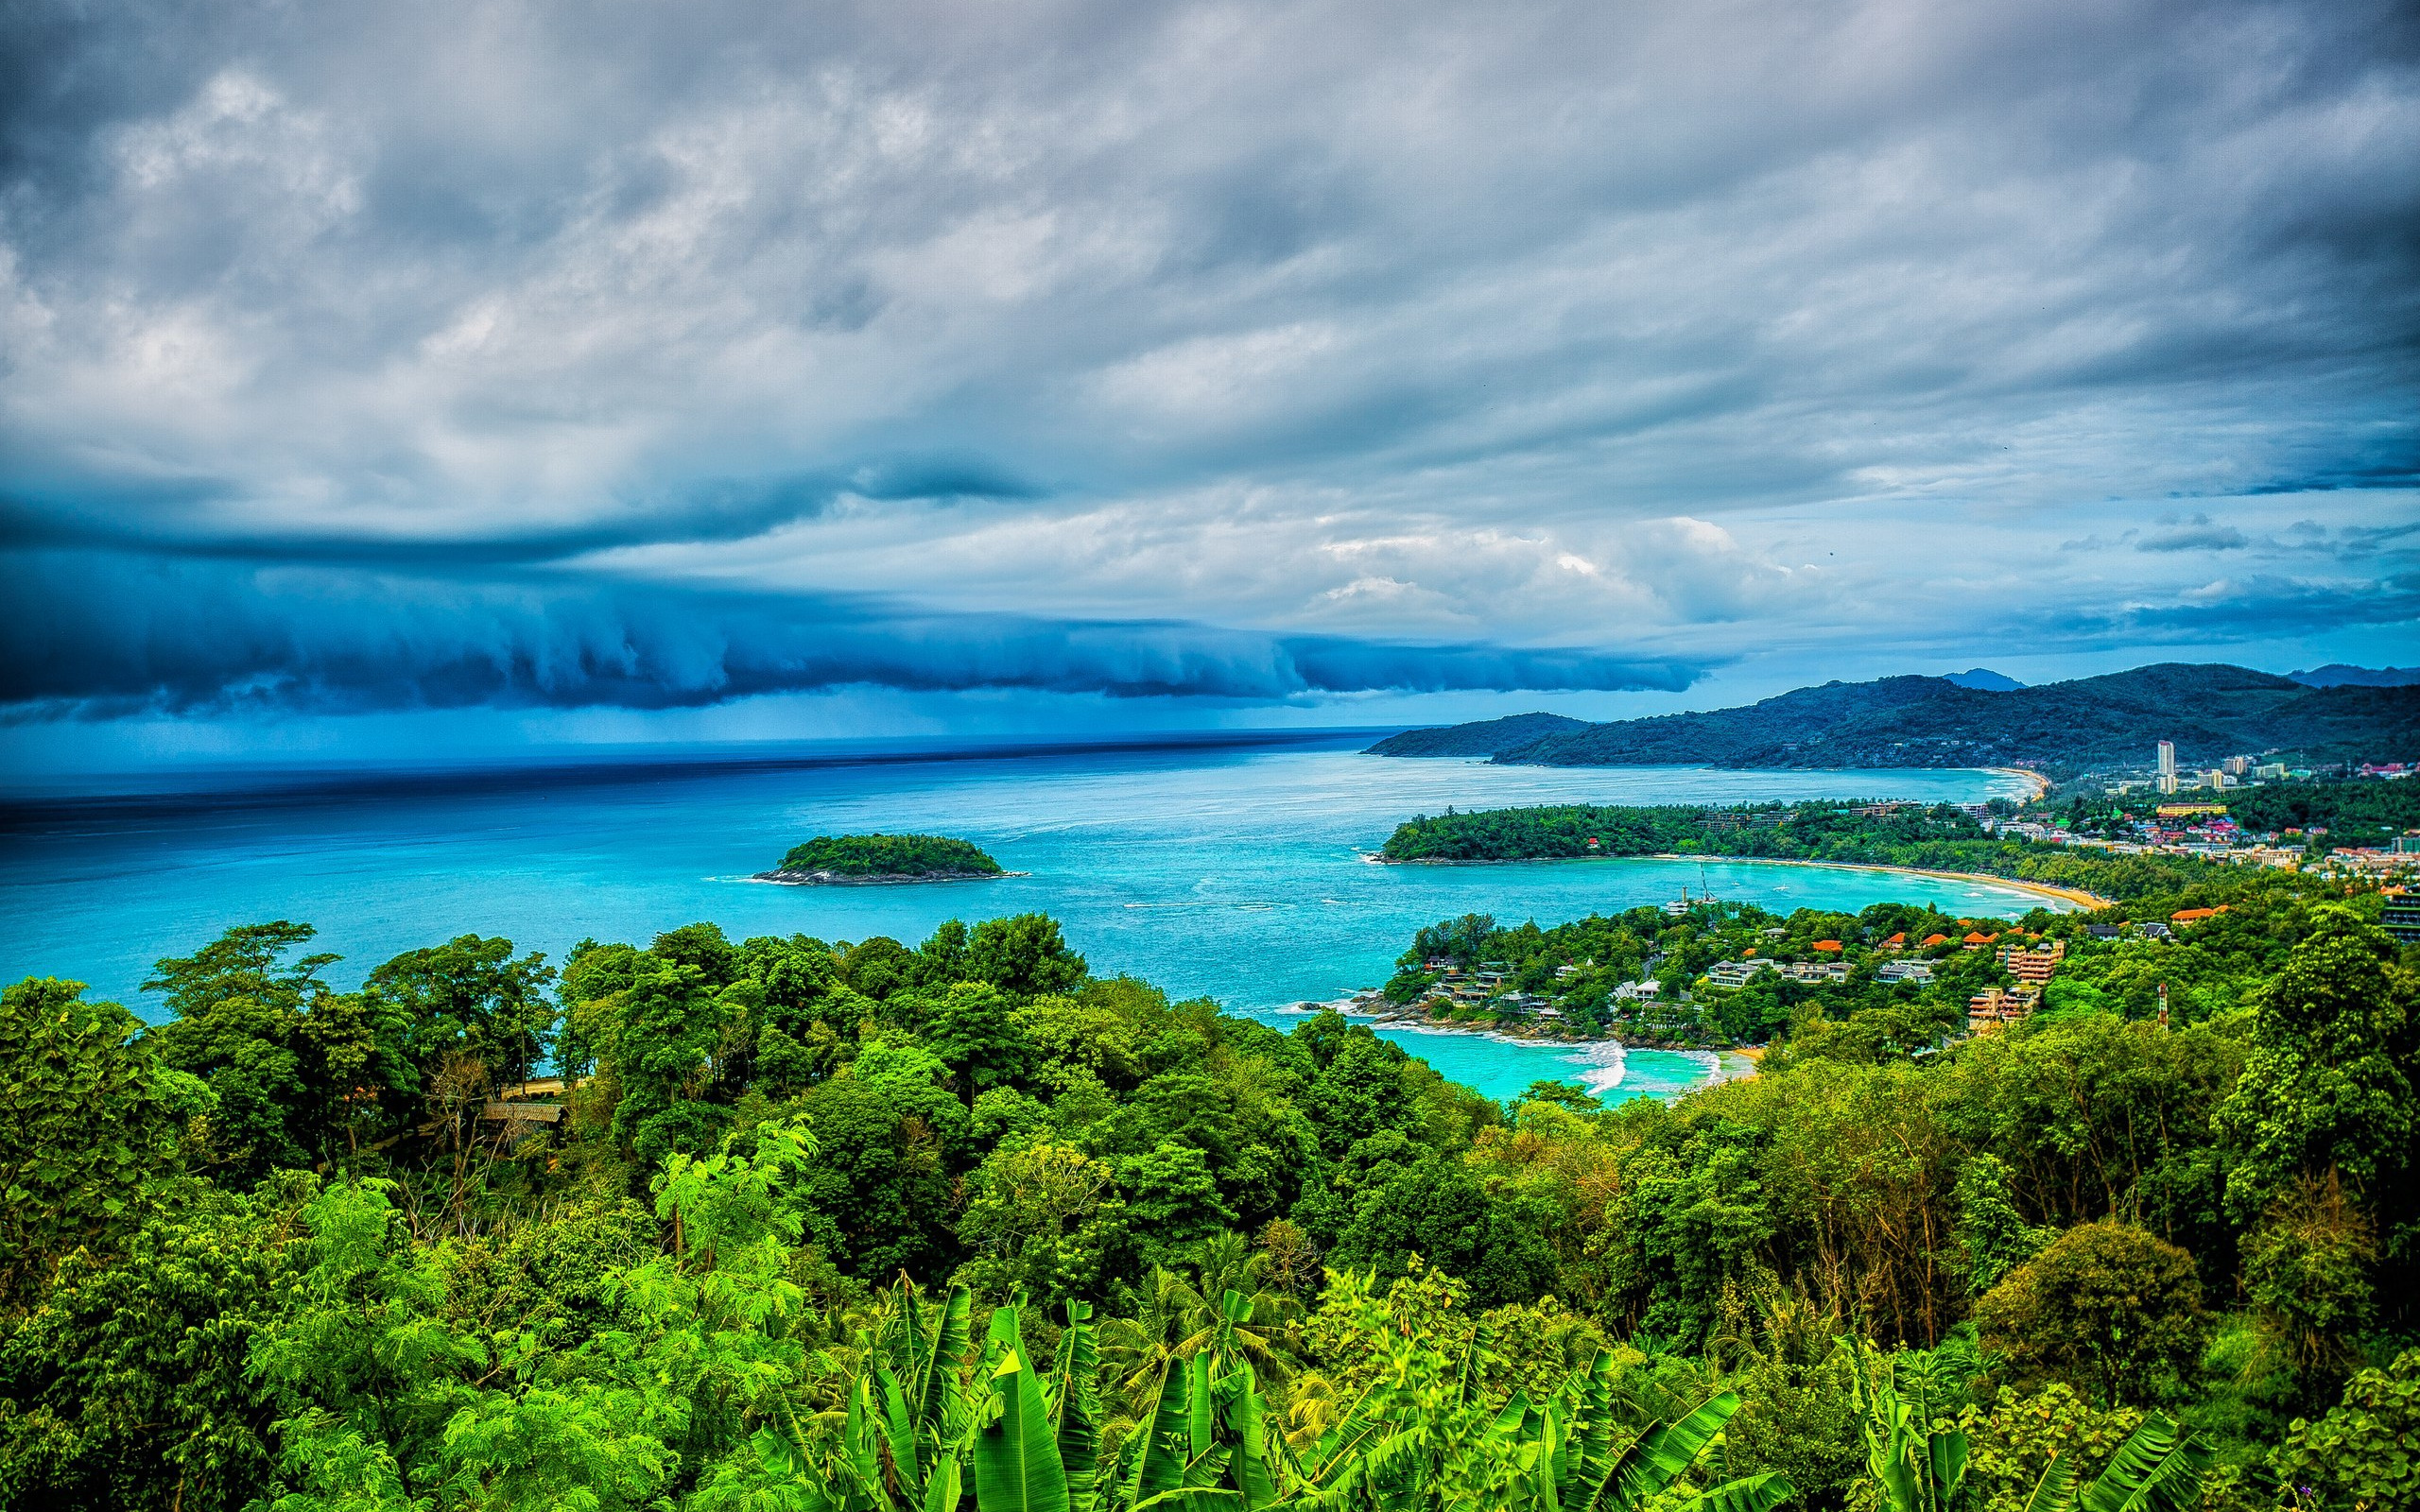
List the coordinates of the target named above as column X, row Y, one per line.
column 2041, row 889
column 829, row 879
column 2077, row 895
column 1724, row 1063
column 1392, row 1016
column 2041, row 784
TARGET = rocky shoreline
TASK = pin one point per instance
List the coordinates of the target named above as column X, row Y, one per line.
column 834, row 879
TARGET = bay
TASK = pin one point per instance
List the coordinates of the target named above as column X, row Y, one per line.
column 1235, row 870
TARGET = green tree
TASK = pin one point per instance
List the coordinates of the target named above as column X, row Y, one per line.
column 2107, row 1306
column 2307, row 1268
column 663, row 1040
column 1994, row 1236
column 1024, row 956
column 891, row 1141
column 87, row 1120
column 1358, row 1093
column 295, row 1071
column 470, row 999
column 2330, row 1083
column 976, row 1030
column 1437, row 1210
column 1042, row 1219
column 129, row 1384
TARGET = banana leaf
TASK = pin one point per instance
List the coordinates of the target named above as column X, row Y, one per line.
column 2158, row 1468
column 1750, row 1493
column 1016, row 1459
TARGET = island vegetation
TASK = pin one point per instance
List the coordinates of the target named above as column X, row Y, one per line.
column 867, row 1226
column 884, row 858
column 1940, row 837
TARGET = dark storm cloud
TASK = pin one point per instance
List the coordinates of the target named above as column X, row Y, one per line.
column 981, row 337
column 97, row 635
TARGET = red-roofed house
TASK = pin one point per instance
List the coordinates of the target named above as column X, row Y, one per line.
column 1827, row 945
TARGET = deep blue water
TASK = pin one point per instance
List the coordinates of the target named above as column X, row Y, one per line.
column 1236, row 872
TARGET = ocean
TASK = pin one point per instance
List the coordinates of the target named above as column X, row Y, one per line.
column 1235, row 869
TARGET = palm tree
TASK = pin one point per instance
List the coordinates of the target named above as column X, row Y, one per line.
column 1139, row 1349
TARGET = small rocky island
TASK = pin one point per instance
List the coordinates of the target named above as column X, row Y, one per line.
column 851, row 860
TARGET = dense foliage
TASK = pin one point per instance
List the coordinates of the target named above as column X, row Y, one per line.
column 866, row 1226
column 1940, row 838
column 890, row 855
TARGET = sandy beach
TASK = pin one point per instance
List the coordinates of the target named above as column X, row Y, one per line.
column 2041, row 783
column 2074, row 895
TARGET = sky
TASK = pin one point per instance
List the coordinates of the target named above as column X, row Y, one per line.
column 476, row 374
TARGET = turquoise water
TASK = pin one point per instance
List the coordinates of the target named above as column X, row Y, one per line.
column 1238, row 874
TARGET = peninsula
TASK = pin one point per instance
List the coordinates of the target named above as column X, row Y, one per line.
column 849, row 860
column 2209, row 712
column 1939, row 839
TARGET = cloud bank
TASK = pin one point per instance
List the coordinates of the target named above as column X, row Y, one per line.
column 455, row 354
column 146, row 636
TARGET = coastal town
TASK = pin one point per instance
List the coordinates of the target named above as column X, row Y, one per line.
column 2177, row 811
column 2191, row 851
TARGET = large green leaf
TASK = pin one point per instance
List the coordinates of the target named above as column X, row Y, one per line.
column 2056, row 1490
column 1663, row 1455
column 941, row 1360
column 1946, row 1453
column 1158, row 1464
column 1016, row 1459
column 1592, row 1445
column 1201, row 1422
column 1246, row 1419
column 2158, row 1468
column 1075, row 1406
column 943, row 1487
column 1750, row 1493
column 860, row 1439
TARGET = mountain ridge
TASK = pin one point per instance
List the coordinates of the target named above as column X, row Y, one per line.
column 2209, row 710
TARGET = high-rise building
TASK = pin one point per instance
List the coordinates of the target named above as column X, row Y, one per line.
column 2400, row 918
column 2237, row 766
column 2168, row 758
column 2165, row 782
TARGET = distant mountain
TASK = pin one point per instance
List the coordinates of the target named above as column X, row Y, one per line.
column 1487, row 738
column 2337, row 674
column 1986, row 679
column 2091, row 723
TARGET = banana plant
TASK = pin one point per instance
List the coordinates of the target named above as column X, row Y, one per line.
column 1918, row 1465
column 922, row 1425
column 1435, row 1446
column 2158, row 1468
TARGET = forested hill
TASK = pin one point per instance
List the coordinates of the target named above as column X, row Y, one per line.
column 964, row 1227
column 1489, row 737
column 2208, row 711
